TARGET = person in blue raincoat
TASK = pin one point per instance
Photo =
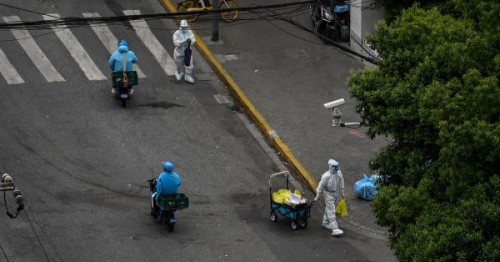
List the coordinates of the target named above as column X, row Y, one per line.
column 167, row 183
column 117, row 59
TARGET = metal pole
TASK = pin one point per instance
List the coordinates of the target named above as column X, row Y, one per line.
column 215, row 28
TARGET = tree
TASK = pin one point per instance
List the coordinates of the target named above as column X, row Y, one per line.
column 436, row 93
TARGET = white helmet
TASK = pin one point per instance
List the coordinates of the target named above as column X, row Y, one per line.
column 332, row 162
column 184, row 23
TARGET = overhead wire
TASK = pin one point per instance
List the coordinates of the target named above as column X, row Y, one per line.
column 372, row 59
column 29, row 221
column 277, row 17
column 269, row 13
column 95, row 20
column 25, row 10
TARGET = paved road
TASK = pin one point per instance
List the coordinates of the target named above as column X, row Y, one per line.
column 81, row 160
column 288, row 75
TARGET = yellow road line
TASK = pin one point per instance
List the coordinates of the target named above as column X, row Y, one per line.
column 258, row 119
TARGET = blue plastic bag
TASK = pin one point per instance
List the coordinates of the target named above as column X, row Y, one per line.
column 365, row 188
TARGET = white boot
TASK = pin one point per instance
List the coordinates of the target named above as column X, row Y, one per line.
column 178, row 75
column 327, row 226
column 335, row 229
column 189, row 79
column 337, row 232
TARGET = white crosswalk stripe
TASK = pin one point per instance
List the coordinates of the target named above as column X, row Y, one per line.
column 152, row 43
column 34, row 52
column 8, row 71
column 76, row 50
column 108, row 39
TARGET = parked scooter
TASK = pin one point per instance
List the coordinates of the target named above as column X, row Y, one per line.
column 166, row 205
column 331, row 19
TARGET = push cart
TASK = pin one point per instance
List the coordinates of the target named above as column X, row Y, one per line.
column 297, row 214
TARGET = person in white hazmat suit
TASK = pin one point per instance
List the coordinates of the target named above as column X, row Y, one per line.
column 332, row 187
column 182, row 39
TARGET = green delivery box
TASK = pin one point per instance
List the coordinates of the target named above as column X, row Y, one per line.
column 131, row 77
column 173, row 202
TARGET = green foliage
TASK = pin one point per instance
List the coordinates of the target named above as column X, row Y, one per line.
column 437, row 94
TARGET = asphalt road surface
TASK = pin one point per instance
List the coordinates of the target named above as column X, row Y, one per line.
column 82, row 161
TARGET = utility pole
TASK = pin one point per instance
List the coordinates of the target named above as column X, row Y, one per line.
column 215, row 27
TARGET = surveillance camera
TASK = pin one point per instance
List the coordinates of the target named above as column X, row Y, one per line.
column 337, row 115
column 335, row 103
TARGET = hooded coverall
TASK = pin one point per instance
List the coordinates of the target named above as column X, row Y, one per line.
column 180, row 38
column 332, row 186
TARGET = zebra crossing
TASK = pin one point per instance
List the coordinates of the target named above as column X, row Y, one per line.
column 77, row 50
column 34, row 52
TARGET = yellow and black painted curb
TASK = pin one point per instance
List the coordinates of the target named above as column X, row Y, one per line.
column 238, row 94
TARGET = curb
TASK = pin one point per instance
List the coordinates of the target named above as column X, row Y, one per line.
column 266, row 129
column 258, row 119
column 365, row 231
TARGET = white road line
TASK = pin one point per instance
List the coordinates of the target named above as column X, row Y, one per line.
column 8, row 71
column 109, row 40
column 146, row 35
column 34, row 52
column 76, row 50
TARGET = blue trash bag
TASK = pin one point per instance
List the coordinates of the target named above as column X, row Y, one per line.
column 365, row 188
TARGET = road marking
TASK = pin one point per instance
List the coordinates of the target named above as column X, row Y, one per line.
column 34, row 52
column 76, row 50
column 356, row 133
column 8, row 71
column 108, row 39
column 152, row 43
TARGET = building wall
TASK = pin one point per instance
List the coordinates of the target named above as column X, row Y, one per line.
column 364, row 17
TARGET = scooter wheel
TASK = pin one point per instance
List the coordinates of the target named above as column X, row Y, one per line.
column 294, row 225
column 170, row 227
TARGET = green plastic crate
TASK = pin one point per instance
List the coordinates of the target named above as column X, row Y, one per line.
column 175, row 201
column 131, row 75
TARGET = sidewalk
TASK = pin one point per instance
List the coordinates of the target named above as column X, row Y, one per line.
column 287, row 79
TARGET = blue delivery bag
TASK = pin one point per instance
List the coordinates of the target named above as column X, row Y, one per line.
column 365, row 188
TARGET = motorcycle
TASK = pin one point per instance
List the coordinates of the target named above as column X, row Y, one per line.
column 331, row 19
column 163, row 210
column 123, row 83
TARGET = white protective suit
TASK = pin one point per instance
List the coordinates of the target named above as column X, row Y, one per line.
column 180, row 38
column 332, row 186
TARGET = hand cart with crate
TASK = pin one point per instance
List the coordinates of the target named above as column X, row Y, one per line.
column 298, row 214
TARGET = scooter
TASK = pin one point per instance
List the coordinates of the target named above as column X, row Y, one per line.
column 163, row 210
column 123, row 94
column 331, row 19
column 124, row 82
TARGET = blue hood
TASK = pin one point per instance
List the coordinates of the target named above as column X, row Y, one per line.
column 123, row 49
